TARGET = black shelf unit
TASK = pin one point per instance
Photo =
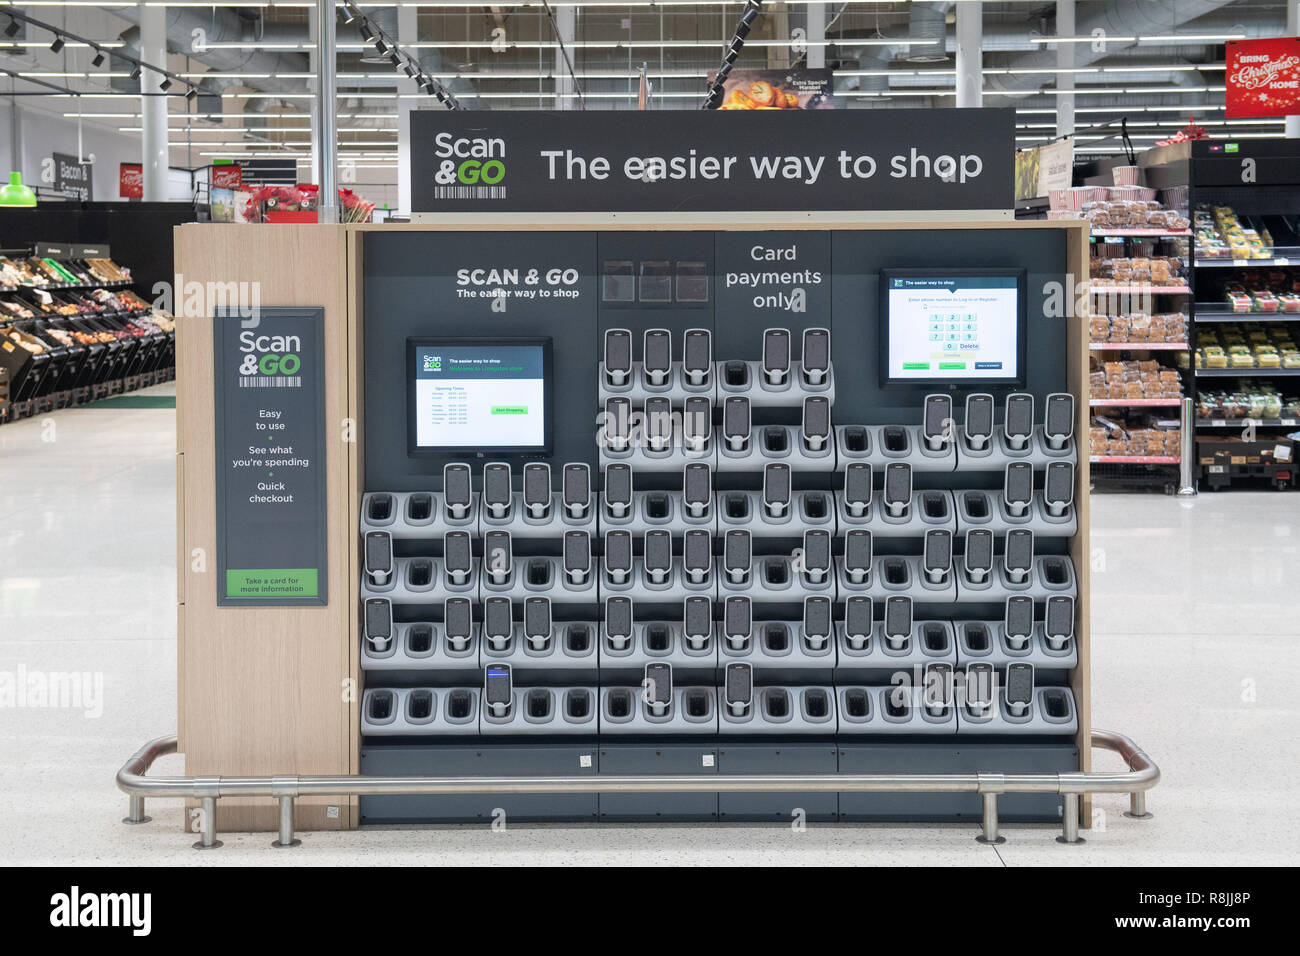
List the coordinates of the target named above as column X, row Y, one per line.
column 1260, row 180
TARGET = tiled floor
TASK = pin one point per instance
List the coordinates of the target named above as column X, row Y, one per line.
column 1196, row 655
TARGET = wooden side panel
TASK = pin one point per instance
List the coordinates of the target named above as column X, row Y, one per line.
column 261, row 689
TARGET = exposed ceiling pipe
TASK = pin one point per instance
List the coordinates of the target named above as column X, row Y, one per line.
column 927, row 28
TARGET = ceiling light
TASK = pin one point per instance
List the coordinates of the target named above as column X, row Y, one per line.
column 13, row 28
column 165, row 85
column 57, row 45
column 99, row 58
column 135, row 72
column 191, row 93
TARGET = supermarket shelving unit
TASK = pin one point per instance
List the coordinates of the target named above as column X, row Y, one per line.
column 1260, row 181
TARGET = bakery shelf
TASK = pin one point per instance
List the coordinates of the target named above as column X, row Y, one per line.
column 1135, row 402
column 1140, row 233
column 1133, row 459
column 1139, row 289
column 1240, row 422
column 1282, row 256
column 1248, row 372
column 1133, row 346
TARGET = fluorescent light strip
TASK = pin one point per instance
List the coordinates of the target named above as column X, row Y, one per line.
column 1166, row 38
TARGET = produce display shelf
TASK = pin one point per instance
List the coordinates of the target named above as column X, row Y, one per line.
column 1246, row 372
column 1134, row 402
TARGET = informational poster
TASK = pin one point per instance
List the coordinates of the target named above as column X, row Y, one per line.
column 696, row 161
column 778, row 90
column 1262, row 77
column 227, row 176
column 130, row 180
column 270, row 457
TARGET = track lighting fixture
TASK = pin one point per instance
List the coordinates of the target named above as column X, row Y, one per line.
column 135, row 72
column 13, row 28
column 99, row 58
column 165, row 85
column 57, row 45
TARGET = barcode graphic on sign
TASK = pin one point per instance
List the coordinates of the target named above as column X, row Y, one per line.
column 469, row 192
column 272, row 381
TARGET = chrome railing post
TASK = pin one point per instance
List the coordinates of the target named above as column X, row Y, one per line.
column 207, row 825
column 1069, row 819
column 286, row 839
column 135, row 811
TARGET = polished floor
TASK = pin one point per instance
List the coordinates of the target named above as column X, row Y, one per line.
column 1196, row 655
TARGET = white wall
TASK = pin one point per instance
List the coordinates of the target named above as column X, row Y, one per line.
column 44, row 133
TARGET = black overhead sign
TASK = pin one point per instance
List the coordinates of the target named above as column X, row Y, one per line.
column 707, row 161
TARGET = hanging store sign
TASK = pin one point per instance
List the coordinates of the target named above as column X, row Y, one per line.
column 72, row 177
column 679, row 161
column 1263, row 77
column 130, row 180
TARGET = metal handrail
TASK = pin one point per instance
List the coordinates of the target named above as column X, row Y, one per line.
column 1142, row 775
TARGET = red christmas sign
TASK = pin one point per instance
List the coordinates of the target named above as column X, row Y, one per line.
column 130, row 180
column 1263, row 77
column 227, row 176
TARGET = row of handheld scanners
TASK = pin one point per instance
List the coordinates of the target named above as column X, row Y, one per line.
column 697, row 366
column 499, row 503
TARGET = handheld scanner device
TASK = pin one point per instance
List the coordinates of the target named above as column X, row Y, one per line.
column 738, row 690
column 936, row 428
column 857, row 488
column 657, row 688
column 978, row 558
column 979, row 687
column 498, row 690
column 1018, row 488
column 898, row 488
column 618, row 622
column 498, row 624
column 937, row 559
column 458, row 622
column 697, row 489
column 697, row 423
column 657, row 423
column 1019, row 691
column 858, row 621
column 497, row 496
column 537, row 489
column 618, row 357
column 737, row 621
column 537, row 622
column 776, row 489
column 776, row 356
column 1058, row 420
column 1018, row 621
column 379, row 623
column 457, row 494
column 816, row 356
column 697, row 555
column 1058, row 488
column 697, row 621
column 618, row 424
column 657, row 356
column 1058, row 627
column 618, row 490
column 1018, row 556
column 816, row 425
column 498, row 556
column 898, row 620
column 457, row 557
column 937, row 688
column 697, row 356
column 379, row 557
column 857, row 555
column 736, row 422
column 657, row 555
column 816, row 555
column 618, row 556
column 577, row 556
column 577, row 489
column 1018, row 419
column 737, row 554
column 978, row 428
column 817, row 621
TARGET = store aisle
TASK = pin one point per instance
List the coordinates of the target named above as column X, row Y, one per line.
column 1196, row 655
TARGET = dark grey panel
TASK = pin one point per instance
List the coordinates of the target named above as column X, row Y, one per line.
column 783, row 757
column 663, row 758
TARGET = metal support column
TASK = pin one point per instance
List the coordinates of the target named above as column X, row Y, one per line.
column 566, row 19
column 1065, row 63
column 989, row 822
column 286, row 838
column 970, row 61
column 327, row 112
column 816, row 36
column 1187, row 449
column 207, row 824
column 135, row 811
column 407, row 35
column 1137, row 805
column 1069, row 819
column 153, row 105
